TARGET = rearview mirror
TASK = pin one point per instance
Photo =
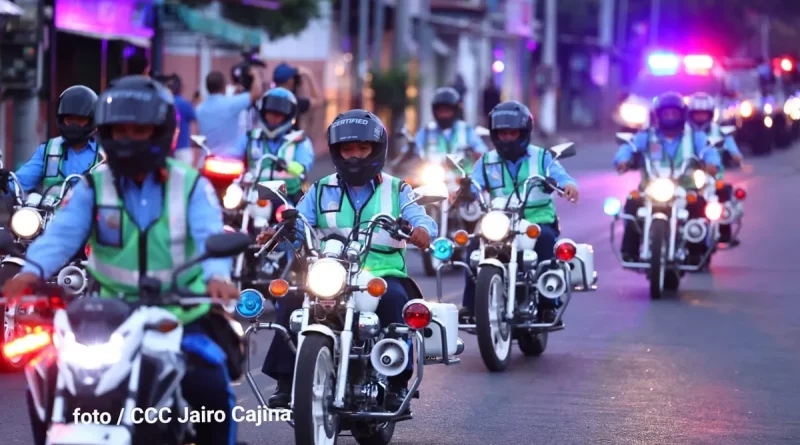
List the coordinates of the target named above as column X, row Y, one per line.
column 562, row 151
column 269, row 190
column 482, row 131
column 727, row 130
column 455, row 159
column 226, row 245
column 430, row 194
column 625, row 137
column 715, row 141
column 198, row 139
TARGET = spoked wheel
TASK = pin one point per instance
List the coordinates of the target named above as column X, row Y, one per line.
column 658, row 231
column 10, row 328
column 494, row 333
column 371, row 434
column 532, row 344
column 315, row 380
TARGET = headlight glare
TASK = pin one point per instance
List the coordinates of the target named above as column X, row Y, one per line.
column 26, row 223
column 495, row 226
column 661, row 189
column 326, row 278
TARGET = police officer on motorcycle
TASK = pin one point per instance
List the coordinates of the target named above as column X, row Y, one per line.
column 447, row 134
column 503, row 171
column 358, row 191
column 668, row 142
column 146, row 203
column 277, row 110
column 73, row 152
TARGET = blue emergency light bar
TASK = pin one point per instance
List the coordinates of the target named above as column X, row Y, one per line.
column 667, row 64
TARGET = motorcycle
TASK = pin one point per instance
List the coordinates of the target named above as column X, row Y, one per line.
column 121, row 363
column 31, row 216
column 732, row 200
column 506, row 296
column 666, row 227
column 343, row 356
column 244, row 211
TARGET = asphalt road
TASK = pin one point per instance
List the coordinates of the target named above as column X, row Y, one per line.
column 718, row 363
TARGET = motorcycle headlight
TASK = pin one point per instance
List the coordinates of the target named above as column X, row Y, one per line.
column 633, row 114
column 26, row 223
column 91, row 356
column 233, row 197
column 699, row 178
column 326, row 278
column 495, row 226
column 661, row 189
column 432, row 174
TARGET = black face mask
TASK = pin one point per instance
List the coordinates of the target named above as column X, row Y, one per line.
column 511, row 150
column 445, row 123
column 129, row 158
column 74, row 134
column 357, row 171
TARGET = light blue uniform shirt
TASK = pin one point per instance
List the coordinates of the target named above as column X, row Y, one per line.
column 31, row 174
column 641, row 140
column 303, row 153
column 473, row 140
column 557, row 171
column 218, row 120
column 414, row 213
column 70, row 229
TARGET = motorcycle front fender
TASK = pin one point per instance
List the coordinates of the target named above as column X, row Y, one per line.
column 318, row 329
column 8, row 259
column 493, row 262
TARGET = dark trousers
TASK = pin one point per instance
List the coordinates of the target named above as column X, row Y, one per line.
column 279, row 362
column 725, row 194
column 631, row 238
column 544, row 250
column 205, row 386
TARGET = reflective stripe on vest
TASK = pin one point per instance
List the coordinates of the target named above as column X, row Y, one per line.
column 437, row 147
column 539, row 207
column 53, row 164
column 259, row 147
column 685, row 151
column 176, row 201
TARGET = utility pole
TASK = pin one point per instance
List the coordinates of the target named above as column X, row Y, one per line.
column 344, row 25
column 379, row 22
column 157, row 42
column 427, row 73
column 607, row 84
column 548, row 112
column 655, row 15
column 362, row 56
column 401, row 25
column 765, row 28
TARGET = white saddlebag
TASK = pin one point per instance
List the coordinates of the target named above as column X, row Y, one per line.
column 585, row 252
column 447, row 315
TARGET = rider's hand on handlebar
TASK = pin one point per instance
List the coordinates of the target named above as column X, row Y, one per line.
column 4, row 176
column 420, row 238
column 265, row 235
column 571, row 193
column 622, row 167
column 19, row 286
column 738, row 159
column 711, row 170
column 222, row 290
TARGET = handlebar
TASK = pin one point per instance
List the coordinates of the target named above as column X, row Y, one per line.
column 275, row 160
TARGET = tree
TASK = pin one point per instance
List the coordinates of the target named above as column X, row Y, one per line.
column 291, row 18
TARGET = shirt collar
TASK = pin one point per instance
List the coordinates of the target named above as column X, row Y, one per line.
column 91, row 146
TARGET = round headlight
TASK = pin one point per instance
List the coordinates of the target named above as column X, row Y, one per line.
column 699, row 178
column 442, row 249
column 26, row 223
column 233, row 197
column 326, row 278
column 612, row 206
column 661, row 189
column 495, row 226
column 433, row 173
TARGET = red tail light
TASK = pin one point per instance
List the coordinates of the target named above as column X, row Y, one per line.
column 566, row 250
column 713, row 211
column 417, row 315
column 221, row 168
column 87, row 250
column 740, row 194
column 279, row 213
column 26, row 344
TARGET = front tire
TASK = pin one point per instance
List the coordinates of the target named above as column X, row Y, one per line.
column 371, row 434
column 315, row 380
column 494, row 334
column 532, row 344
column 8, row 271
column 658, row 234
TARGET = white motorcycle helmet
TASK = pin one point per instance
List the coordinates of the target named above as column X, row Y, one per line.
column 702, row 103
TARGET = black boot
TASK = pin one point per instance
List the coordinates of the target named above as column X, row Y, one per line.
column 397, row 390
column 465, row 315
column 548, row 315
column 283, row 393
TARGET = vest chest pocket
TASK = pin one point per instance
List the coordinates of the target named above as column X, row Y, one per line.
column 51, row 166
column 109, row 226
column 495, row 179
column 330, row 199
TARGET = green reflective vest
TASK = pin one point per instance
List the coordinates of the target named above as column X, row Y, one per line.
column 539, row 208
column 662, row 167
column 437, row 146
column 114, row 260
column 52, row 171
column 386, row 257
column 265, row 171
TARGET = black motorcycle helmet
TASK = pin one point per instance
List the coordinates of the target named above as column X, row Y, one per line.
column 138, row 101
column 277, row 100
column 447, row 98
column 670, row 101
column 78, row 101
column 358, row 126
column 511, row 115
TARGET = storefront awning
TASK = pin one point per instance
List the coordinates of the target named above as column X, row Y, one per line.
column 8, row 8
column 105, row 20
column 216, row 27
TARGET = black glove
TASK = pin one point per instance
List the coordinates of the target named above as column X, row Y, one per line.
column 549, row 185
column 281, row 165
column 465, row 192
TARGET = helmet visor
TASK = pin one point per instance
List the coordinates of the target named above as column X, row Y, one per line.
column 128, row 106
column 278, row 105
column 355, row 130
column 507, row 120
